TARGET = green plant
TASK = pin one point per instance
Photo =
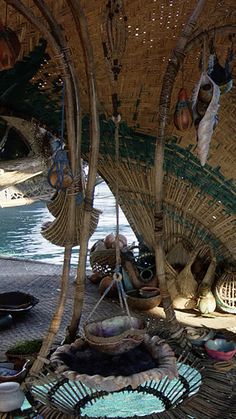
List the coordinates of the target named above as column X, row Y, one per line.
column 25, row 347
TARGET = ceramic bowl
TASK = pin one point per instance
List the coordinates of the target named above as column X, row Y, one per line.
column 147, row 292
column 200, row 335
column 220, row 349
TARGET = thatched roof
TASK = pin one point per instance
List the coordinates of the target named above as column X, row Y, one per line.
column 199, row 202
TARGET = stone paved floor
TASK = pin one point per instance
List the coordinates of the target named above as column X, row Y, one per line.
column 43, row 281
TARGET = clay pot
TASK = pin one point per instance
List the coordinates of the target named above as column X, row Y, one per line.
column 110, row 241
column 183, row 114
column 95, row 278
column 11, row 396
column 201, row 108
column 148, row 292
column 9, row 48
column 205, row 93
column 104, row 284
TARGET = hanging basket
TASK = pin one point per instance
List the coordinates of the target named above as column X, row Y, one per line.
column 163, row 360
column 225, row 292
column 115, row 335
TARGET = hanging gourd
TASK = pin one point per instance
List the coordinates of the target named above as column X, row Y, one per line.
column 9, row 47
column 183, row 113
column 59, row 175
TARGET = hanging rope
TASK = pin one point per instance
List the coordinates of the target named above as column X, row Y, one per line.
column 117, row 276
column 122, row 295
column 59, row 175
column 114, row 32
column 204, row 55
column 6, row 14
column 62, row 112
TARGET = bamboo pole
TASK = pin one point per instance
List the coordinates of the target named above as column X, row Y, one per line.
column 171, row 72
column 58, row 44
column 82, row 28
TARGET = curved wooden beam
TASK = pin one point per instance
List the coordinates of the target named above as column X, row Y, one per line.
column 61, row 57
column 213, row 31
column 170, row 75
column 59, row 36
column 57, row 43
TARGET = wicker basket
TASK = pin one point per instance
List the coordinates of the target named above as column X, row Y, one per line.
column 103, row 261
column 225, row 292
column 115, row 335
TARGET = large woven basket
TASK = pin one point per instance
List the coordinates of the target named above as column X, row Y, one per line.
column 225, row 292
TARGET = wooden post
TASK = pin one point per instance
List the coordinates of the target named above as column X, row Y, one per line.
column 56, row 38
column 82, row 28
column 164, row 106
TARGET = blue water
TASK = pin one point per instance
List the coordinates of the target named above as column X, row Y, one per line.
column 20, row 229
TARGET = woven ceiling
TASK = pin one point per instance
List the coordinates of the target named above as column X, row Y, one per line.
column 153, row 28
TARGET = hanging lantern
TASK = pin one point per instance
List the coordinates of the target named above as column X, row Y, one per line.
column 9, row 47
column 183, row 114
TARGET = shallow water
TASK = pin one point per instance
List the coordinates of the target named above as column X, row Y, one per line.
column 20, row 229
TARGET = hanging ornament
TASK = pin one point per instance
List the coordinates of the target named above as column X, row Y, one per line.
column 205, row 104
column 183, row 113
column 114, row 34
column 59, row 175
column 9, row 47
column 221, row 75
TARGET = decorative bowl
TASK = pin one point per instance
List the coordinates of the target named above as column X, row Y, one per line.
column 16, row 302
column 199, row 335
column 14, row 371
column 148, row 292
column 220, row 349
column 138, row 302
column 115, row 335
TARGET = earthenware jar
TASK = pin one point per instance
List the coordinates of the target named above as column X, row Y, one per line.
column 205, row 92
column 11, row 396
